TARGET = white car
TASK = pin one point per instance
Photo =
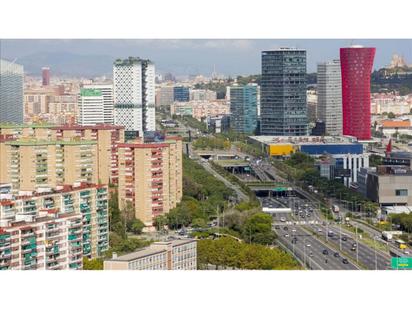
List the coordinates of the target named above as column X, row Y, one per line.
column 283, row 219
column 307, row 245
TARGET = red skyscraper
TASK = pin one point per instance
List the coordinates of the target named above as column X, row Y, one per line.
column 356, row 67
column 45, row 74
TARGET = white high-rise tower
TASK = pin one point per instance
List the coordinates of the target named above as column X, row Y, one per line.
column 134, row 95
column 330, row 96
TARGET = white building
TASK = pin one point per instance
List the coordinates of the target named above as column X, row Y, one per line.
column 108, row 104
column 11, row 92
column 134, row 95
column 90, row 107
column 202, row 95
column 329, row 89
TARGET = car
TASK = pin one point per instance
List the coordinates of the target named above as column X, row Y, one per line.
column 286, row 235
column 345, row 261
column 336, row 254
column 325, row 252
column 331, row 234
column 353, row 248
column 307, row 245
column 344, row 238
column 293, row 231
column 285, row 228
column 354, row 244
column 311, row 253
column 283, row 219
column 277, row 227
column 319, row 230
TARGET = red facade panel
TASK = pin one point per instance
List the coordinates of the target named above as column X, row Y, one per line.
column 356, row 68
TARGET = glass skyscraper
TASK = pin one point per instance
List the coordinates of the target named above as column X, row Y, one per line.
column 243, row 109
column 11, row 92
column 283, row 107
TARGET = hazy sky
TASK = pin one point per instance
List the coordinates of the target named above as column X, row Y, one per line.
column 182, row 57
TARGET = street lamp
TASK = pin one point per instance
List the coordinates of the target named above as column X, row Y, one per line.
column 376, row 259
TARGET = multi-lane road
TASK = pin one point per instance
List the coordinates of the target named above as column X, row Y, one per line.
column 326, row 236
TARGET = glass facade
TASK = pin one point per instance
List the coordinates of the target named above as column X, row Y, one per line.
column 243, row 109
column 181, row 94
column 283, row 106
column 11, row 92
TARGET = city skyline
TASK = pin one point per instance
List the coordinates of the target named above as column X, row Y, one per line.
column 182, row 57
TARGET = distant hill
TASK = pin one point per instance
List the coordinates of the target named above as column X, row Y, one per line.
column 67, row 64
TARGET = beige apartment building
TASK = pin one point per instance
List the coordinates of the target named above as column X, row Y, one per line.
column 31, row 164
column 178, row 254
column 105, row 136
column 150, row 177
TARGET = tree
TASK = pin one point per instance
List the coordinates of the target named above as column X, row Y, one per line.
column 391, row 115
column 93, row 264
column 160, row 222
column 258, row 228
column 199, row 223
column 137, row 226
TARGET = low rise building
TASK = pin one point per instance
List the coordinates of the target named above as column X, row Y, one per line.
column 170, row 255
column 200, row 109
column 348, row 155
column 390, row 186
column 391, row 127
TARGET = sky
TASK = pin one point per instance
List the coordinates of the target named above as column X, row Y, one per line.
column 181, row 57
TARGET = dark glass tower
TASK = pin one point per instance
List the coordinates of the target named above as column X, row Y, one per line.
column 283, row 106
column 243, row 109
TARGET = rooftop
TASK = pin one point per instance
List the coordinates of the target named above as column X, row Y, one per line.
column 308, row 139
column 130, row 61
column 138, row 254
column 396, row 124
column 34, row 142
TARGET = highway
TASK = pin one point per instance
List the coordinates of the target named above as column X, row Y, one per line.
column 309, row 249
column 236, row 188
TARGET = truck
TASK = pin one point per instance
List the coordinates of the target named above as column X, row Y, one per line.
column 388, row 235
column 335, row 208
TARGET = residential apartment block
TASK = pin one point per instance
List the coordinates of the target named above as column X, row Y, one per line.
column 150, row 177
column 105, row 138
column 172, row 255
column 53, row 228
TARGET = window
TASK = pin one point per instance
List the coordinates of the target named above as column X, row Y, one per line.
column 401, row 192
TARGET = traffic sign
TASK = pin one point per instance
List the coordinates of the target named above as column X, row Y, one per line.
column 401, row 263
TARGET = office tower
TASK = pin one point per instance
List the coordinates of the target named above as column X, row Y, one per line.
column 108, row 104
column 134, row 95
column 45, row 75
column 181, row 94
column 329, row 90
column 11, row 92
column 243, row 109
column 283, row 108
column 106, row 136
column 356, row 67
column 90, row 107
column 150, row 178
